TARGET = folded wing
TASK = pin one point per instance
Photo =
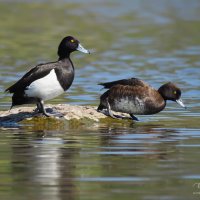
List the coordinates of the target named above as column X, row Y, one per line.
column 35, row 73
column 130, row 82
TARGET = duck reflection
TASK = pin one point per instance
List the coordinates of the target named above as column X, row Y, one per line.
column 136, row 140
column 43, row 166
column 58, row 164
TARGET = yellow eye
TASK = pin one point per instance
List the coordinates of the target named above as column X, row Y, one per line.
column 175, row 92
column 72, row 41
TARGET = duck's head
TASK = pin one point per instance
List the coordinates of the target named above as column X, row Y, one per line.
column 170, row 91
column 68, row 45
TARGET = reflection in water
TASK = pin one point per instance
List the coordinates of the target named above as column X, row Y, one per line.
column 138, row 140
column 50, row 163
column 69, row 164
column 46, row 165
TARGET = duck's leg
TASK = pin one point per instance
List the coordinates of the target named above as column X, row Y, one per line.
column 40, row 107
column 133, row 117
column 109, row 110
column 100, row 108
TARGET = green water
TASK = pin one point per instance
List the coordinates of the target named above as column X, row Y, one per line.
column 156, row 158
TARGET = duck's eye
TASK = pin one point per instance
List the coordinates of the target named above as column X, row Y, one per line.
column 72, row 41
column 175, row 92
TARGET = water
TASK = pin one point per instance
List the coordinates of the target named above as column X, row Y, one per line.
column 156, row 158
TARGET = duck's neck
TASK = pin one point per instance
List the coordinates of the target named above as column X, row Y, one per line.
column 66, row 62
column 64, row 57
column 162, row 92
column 162, row 99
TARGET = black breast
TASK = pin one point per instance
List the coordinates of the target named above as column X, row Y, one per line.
column 65, row 73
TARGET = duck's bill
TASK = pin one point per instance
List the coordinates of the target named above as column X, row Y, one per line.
column 180, row 102
column 82, row 49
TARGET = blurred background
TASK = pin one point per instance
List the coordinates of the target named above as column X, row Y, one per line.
column 157, row 41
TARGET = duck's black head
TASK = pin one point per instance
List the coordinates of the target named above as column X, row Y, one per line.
column 68, row 45
column 170, row 91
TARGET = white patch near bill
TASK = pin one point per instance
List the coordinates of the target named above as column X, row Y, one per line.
column 126, row 105
column 45, row 88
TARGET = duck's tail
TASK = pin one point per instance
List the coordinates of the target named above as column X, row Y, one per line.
column 20, row 99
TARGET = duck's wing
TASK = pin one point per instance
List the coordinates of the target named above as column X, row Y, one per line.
column 35, row 73
column 130, row 82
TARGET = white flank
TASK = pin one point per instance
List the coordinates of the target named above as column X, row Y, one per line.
column 126, row 105
column 45, row 88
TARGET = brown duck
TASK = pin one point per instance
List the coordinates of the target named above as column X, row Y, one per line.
column 135, row 97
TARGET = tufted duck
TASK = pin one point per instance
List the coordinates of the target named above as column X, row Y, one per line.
column 46, row 81
column 134, row 96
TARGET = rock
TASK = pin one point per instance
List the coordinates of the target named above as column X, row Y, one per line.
column 70, row 112
column 26, row 116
